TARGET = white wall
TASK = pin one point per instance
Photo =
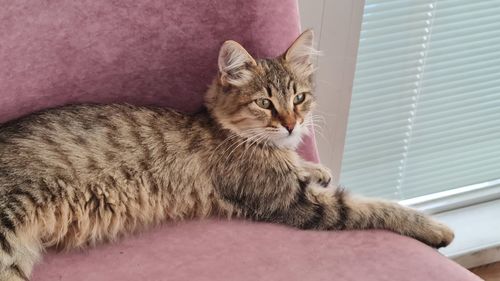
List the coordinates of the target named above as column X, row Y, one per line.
column 337, row 25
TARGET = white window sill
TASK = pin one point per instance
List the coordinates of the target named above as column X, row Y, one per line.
column 477, row 233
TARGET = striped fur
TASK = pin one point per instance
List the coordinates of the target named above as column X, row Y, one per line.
column 80, row 175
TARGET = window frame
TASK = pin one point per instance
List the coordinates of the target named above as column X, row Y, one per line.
column 338, row 31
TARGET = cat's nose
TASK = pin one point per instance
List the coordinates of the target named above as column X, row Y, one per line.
column 289, row 127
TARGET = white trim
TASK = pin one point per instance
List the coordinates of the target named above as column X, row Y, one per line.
column 477, row 233
column 482, row 257
column 471, row 211
column 338, row 26
column 455, row 198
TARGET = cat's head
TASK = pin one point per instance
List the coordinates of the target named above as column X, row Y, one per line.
column 267, row 100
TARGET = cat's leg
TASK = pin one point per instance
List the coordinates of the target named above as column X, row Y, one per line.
column 369, row 213
column 343, row 211
column 307, row 205
column 19, row 246
column 334, row 209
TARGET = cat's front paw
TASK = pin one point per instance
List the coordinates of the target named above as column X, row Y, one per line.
column 319, row 174
column 436, row 234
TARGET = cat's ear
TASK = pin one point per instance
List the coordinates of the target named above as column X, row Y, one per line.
column 300, row 54
column 234, row 64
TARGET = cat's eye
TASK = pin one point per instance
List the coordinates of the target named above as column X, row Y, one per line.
column 264, row 103
column 298, row 99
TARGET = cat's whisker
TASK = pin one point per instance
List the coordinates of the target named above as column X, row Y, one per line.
column 246, row 140
column 256, row 146
column 324, row 113
column 234, row 145
column 314, row 120
column 318, row 118
column 252, row 142
column 319, row 127
column 319, row 130
column 231, row 147
column 226, row 140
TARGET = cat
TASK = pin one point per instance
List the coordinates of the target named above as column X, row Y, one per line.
column 78, row 175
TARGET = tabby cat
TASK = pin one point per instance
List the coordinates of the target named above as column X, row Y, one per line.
column 78, row 175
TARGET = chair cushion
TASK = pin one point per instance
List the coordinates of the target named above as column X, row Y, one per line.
column 154, row 52
column 238, row 250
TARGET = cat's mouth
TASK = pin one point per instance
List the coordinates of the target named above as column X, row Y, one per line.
column 280, row 137
column 288, row 139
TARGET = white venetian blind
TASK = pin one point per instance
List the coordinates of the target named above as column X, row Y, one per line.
column 425, row 111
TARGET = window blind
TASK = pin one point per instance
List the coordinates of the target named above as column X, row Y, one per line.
column 425, row 109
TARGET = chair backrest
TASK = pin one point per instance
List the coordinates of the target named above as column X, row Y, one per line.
column 153, row 52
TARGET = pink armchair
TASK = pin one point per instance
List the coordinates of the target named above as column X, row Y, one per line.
column 164, row 52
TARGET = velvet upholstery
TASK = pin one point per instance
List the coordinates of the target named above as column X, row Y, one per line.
column 245, row 251
column 163, row 52
column 152, row 52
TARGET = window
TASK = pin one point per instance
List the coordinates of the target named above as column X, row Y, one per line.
column 425, row 108
column 413, row 112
